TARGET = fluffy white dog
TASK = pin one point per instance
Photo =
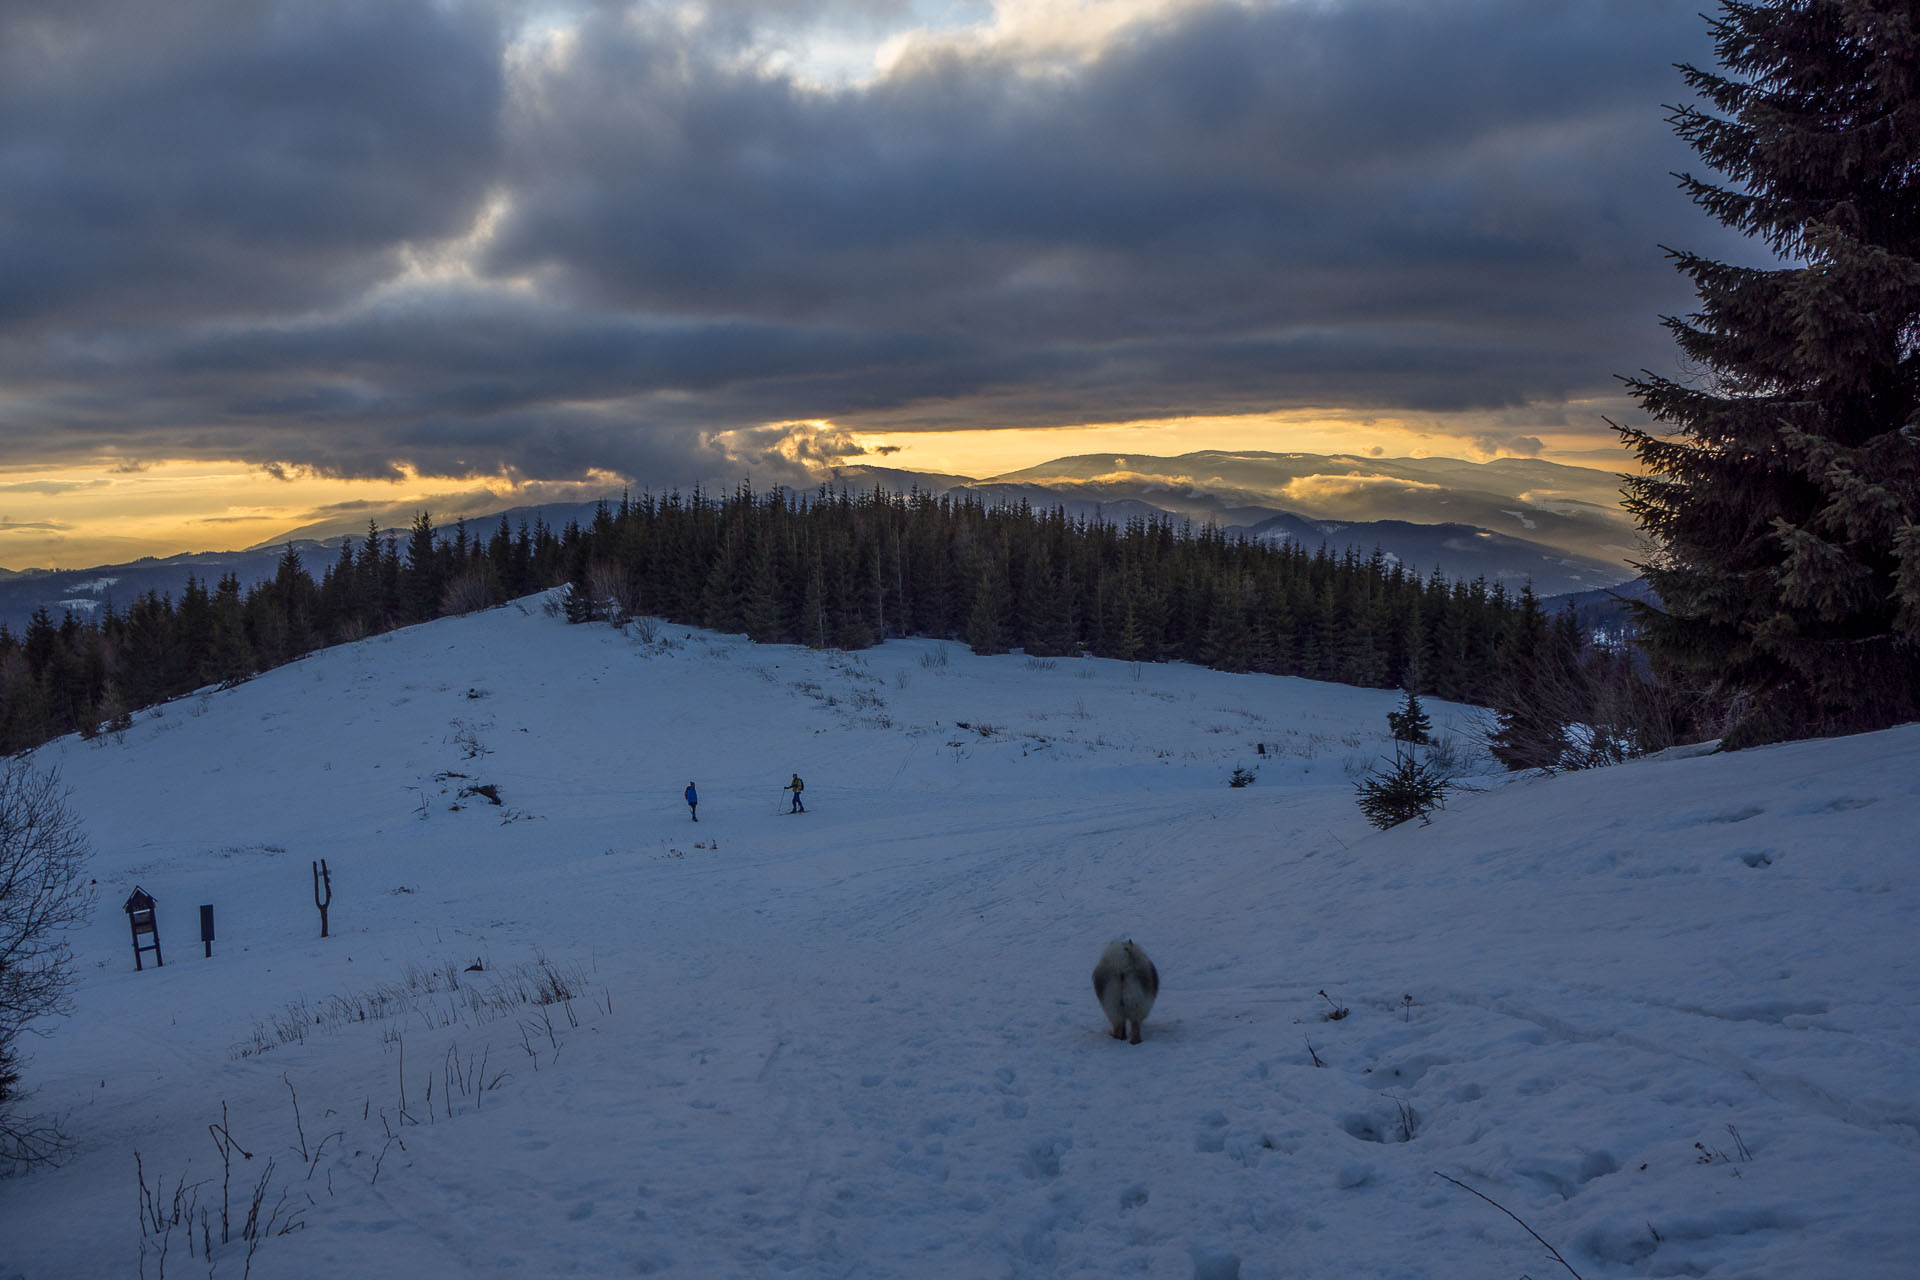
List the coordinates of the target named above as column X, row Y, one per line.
column 1126, row 983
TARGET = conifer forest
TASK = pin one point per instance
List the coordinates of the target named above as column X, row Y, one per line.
column 833, row 570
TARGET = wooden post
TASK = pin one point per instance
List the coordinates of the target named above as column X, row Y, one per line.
column 321, row 876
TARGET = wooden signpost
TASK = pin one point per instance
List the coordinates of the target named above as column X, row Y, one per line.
column 140, row 916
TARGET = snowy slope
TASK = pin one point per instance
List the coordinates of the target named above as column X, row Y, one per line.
column 1664, row 1013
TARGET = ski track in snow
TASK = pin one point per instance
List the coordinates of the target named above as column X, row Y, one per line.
column 1665, row 1012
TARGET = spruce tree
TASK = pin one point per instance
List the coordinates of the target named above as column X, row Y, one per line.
column 985, row 633
column 760, row 610
column 1229, row 640
column 1411, row 724
column 1784, row 498
column 232, row 659
column 814, row 631
column 424, row 577
column 1054, row 634
column 1410, row 788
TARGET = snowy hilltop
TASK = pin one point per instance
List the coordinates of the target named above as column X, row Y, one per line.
column 1663, row 1015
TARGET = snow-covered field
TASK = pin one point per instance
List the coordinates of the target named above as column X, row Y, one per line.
column 1663, row 1013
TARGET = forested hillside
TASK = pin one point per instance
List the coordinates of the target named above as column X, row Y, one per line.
column 838, row 570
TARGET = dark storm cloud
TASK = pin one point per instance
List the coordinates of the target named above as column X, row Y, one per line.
column 1231, row 170
column 173, row 162
column 1386, row 204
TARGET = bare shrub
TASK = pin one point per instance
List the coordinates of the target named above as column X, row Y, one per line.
column 607, row 585
column 1583, row 711
column 43, row 895
column 1447, row 753
column 467, row 592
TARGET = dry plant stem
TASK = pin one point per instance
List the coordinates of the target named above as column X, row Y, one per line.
column 255, row 1231
column 224, row 1143
column 150, row 1221
column 481, row 1078
column 1409, row 1121
column 526, row 1042
column 297, row 1126
column 315, row 1162
column 1511, row 1214
column 251, row 1228
column 392, row 1139
column 157, row 1223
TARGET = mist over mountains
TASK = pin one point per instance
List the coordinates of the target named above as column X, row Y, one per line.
column 1512, row 521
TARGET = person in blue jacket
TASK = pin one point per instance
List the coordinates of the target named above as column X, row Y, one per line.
column 693, row 802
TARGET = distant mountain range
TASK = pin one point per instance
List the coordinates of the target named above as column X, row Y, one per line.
column 1572, row 509
column 1513, row 521
column 86, row 593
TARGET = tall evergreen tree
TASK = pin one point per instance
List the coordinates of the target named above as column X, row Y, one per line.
column 760, row 610
column 195, row 622
column 232, row 659
column 1786, row 500
column 986, row 633
column 815, row 631
column 1229, row 639
column 425, row 578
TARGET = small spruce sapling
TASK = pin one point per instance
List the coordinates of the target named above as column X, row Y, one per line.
column 1410, row 723
column 1410, row 787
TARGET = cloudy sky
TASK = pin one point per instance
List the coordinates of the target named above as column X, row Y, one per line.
column 260, row 259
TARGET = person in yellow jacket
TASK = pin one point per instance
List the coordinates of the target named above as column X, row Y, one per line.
column 796, row 786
